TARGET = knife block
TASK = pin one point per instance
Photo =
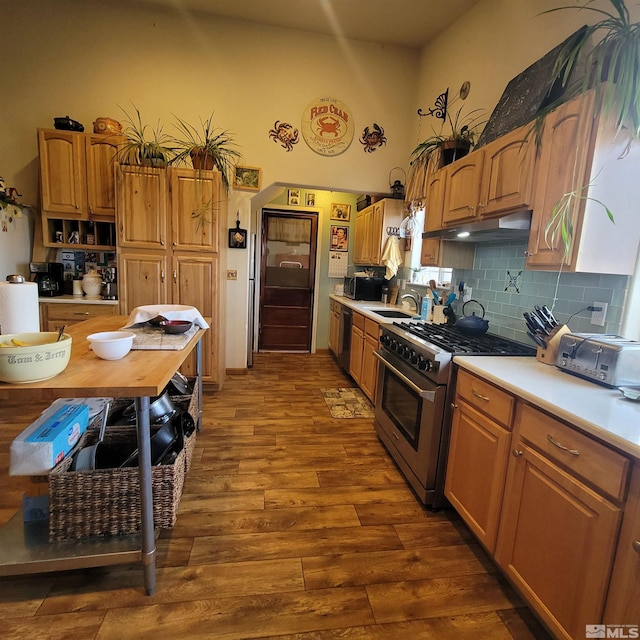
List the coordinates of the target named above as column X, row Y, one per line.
column 549, row 354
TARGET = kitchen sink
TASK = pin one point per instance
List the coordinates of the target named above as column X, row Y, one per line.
column 392, row 313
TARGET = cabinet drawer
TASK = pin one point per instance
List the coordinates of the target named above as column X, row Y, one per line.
column 486, row 397
column 358, row 321
column 78, row 312
column 594, row 462
column 372, row 328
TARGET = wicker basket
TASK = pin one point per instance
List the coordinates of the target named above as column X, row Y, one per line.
column 84, row 504
column 190, row 404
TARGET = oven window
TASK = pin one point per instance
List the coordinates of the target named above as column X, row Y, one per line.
column 403, row 407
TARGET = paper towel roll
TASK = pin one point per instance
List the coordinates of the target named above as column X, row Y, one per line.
column 19, row 311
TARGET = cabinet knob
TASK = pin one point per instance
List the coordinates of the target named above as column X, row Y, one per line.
column 454, row 405
column 636, row 546
column 481, row 205
column 175, row 276
column 162, row 243
column 162, row 276
column 469, row 207
column 528, row 254
column 516, row 453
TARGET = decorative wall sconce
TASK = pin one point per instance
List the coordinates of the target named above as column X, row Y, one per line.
column 439, row 110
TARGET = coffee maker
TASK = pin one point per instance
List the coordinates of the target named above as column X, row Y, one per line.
column 109, row 284
column 49, row 276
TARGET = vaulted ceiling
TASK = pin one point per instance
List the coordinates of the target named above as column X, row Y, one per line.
column 408, row 23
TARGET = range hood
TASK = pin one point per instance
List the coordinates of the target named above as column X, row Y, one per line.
column 512, row 227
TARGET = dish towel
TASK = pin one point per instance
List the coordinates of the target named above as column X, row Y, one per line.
column 392, row 257
column 169, row 311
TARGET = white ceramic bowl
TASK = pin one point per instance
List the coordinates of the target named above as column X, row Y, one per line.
column 111, row 345
column 40, row 358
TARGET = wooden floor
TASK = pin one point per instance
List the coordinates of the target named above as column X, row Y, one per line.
column 293, row 524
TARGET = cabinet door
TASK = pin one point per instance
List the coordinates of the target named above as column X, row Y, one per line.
column 507, row 173
column 142, row 216
column 62, row 172
column 556, row 541
column 430, row 254
column 359, row 247
column 100, row 168
column 195, row 208
column 476, row 470
column 369, row 373
column 194, row 279
column 376, row 233
column 563, row 166
column 142, row 279
column 623, row 599
column 462, row 189
column 334, row 328
column 434, row 201
column 355, row 356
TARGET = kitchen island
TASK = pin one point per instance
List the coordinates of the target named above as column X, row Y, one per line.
column 140, row 374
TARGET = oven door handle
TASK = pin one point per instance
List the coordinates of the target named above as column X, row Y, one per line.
column 427, row 395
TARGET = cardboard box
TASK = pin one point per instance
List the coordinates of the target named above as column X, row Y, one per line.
column 46, row 442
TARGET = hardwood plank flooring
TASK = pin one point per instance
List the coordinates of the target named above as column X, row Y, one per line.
column 293, row 525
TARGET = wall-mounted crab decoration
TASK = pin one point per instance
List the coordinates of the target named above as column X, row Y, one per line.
column 285, row 134
column 373, row 138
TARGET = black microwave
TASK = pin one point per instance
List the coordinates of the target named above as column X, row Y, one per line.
column 363, row 288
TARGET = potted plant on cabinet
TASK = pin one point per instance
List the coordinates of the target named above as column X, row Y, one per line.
column 207, row 148
column 612, row 72
column 141, row 148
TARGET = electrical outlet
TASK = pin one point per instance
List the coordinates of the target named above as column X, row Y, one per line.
column 232, row 274
column 597, row 317
column 466, row 294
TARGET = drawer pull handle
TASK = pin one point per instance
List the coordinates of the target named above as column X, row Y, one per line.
column 395, row 435
column 636, row 546
column 479, row 395
column 80, row 313
column 555, row 443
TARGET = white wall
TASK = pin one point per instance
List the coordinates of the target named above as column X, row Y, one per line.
column 83, row 59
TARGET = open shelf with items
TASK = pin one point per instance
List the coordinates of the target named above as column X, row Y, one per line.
column 85, row 235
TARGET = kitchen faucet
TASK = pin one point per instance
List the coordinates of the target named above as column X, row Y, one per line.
column 417, row 299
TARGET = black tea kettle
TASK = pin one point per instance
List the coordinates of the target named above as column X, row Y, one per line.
column 472, row 325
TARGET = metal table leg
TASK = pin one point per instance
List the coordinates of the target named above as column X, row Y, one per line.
column 199, row 383
column 146, row 494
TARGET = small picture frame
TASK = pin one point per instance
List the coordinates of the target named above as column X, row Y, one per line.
column 294, row 197
column 310, row 200
column 247, row 178
column 339, row 238
column 341, row 212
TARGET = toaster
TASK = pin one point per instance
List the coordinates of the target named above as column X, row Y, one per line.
column 610, row 360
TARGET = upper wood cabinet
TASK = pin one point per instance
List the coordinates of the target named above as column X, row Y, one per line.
column 494, row 180
column 580, row 154
column 437, row 252
column 77, row 174
column 435, row 200
column 371, row 230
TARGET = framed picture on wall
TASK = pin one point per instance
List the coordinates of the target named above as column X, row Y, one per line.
column 310, row 200
column 341, row 212
column 247, row 178
column 294, row 197
column 339, row 238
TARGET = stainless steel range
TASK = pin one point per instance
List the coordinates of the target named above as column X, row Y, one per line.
column 414, row 395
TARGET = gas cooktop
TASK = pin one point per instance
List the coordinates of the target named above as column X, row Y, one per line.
column 455, row 342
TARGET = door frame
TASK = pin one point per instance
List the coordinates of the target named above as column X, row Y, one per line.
column 258, row 259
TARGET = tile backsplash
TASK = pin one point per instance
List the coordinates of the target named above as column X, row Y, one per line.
column 505, row 289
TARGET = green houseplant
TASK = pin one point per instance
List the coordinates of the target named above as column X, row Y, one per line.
column 207, row 148
column 144, row 147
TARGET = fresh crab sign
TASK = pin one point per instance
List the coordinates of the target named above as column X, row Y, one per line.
column 327, row 126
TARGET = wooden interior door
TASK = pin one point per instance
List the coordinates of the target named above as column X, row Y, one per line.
column 287, row 276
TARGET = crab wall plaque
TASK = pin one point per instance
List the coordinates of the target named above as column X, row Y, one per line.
column 373, row 138
column 327, row 126
column 284, row 133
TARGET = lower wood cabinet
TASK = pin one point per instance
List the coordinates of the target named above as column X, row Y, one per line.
column 623, row 599
column 559, row 527
column 54, row 315
column 335, row 309
column 363, row 365
column 478, row 455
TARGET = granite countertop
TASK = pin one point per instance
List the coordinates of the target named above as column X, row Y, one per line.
column 600, row 411
column 76, row 300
